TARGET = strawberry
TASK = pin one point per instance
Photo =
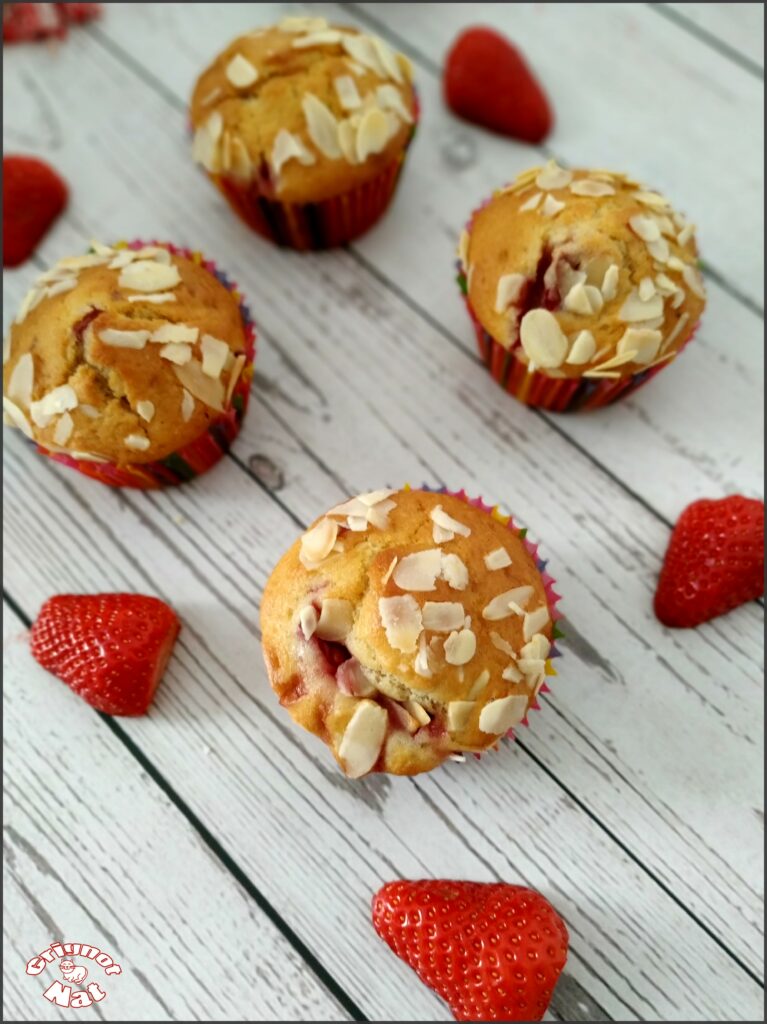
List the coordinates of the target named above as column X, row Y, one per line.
column 25, row 22
column 111, row 649
column 492, row 951
column 714, row 561
column 488, row 82
column 33, row 197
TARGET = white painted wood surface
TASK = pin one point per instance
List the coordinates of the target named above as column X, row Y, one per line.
column 634, row 801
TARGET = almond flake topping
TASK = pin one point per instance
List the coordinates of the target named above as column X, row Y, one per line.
column 460, row 647
column 454, row 572
column 363, row 738
column 535, row 621
column 512, row 674
column 187, row 405
column 175, row 332
column 443, row 616
column 421, row 664
column 347, row 92
column 16, row 418
column 89, row 410
column 659, row 250
column 645, row 227
column 387, row 575
column 60, row 399
column 646, row 289
column 458, row 714
column 390, row 98
column 322, row 125
column 317, row 543
column 124, row 339
column 335, row 621
column 136, row 442
column 6, row 347
column 145, row 409
column 156, row 297
column 542, row 338
column 308, row 619
column 241, row 72
column 635, row 309
column 617, row 360
column 149, row 276
column 289, row 147
column 653, row 199
column 401, row 619
column 374, row 132
column 610, row 282
column 551, row 206
column 419, row 571
column 418, row 711
column 497, row 559
column 678, row 327
column 389, row 59
column 639, row 343
column 531, row 203
column 347, row 139
column 665, row 285
column 584, row 299
column 686, row 234
column 583, row 349
column 479, row 684
column 361, row 49
column 65, row 285
column 325, row 37
column 539, row 647
column 499, row 608
column 176, row 353
column 553, row 176
column 509, row 287
column 210, row 392
column 503, row 645
column 693, row 280
column 500, row 715
column 591, row 187
column 22, row 380
column 214, row 355
column 447, row 525
column 63, row 429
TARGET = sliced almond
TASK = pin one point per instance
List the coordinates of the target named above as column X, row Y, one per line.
column 653, row 199
column 149, row 276
column 124, row 339
column 187, row 405
column 646, row 289
column 678, row 327
column 503, row 714
column 325, row 37
column 664, row 284
column 538, row 647
column 347, row 92
column 582, row 350
column 390, row 98
column 502, row 645
column 578, row 299
column 361, row 48
column 479, row 684
column 645, row 227
column 322, row 126
column 460, row 647
column 610, row 282
column 591, row 187
column 401, row 619
column 508, row 291
column 210, row 392
column 308, row 619
column 22, row 380
column 659, row 250
column 60, row 399
column 242, row 165
column 176, row 353
column 240, row 72
column 421, row 665
column 511, row 673
column 497, row 559
column 542, row 338
column 176, row 333
column 693, row 280
column 336, row 618
column 288, row 146
column 440, row 518
column 65, row 285
column 156, row 297
column 443, row 616
column 499, row 608
column 145, row 409
column 458, row 714
column 89, row 410
column 551, row 206
column 387, row 575
column 535, row 621
column 418, row 711
column 531, row 666
column 419, row 571
column 553, row 176
column 686, row 234
column 531, row 203
column 318, row 542
column 642, row 343
column 16, row 417
column 363, row 738
column 389, row 59
column 63, row 430
column 635, row 309
column 136, row 442
column 234, row 376
column 454, row 572
column 214, row 355
column 373, row 133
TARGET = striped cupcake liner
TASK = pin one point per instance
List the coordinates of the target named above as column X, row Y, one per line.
column 552, row 597
column 204, row 451
column 314, row 226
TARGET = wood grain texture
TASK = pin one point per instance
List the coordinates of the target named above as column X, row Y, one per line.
column 94, row 852
column 633, row 802
column 738, row 27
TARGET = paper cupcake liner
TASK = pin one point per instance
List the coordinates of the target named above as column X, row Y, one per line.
column 552, row 597
column 204, row 451
column 556, row 394
column 312, row 226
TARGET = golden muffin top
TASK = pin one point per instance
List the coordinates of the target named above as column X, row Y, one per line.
column 583, row 273
column 122, row 355
column 308, row 109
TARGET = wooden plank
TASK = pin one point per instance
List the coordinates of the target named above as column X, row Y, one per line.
column 671, row 418
column 95, row 852
column 264, row 787
column 318, row 404
column 738, row 27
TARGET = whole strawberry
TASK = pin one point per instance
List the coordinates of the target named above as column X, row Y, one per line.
column 33, row 197
column 714, row 561
column 488, row 82
column 492, row 951
column 111, row 649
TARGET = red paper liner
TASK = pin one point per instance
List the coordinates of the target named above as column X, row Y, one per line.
column 204, row 451
column 313, row 226
column 552, row 597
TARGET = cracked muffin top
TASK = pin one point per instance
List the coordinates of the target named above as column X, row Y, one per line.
column 309, row 109
column 583, row 273
column 405, row 627
column 122, row 355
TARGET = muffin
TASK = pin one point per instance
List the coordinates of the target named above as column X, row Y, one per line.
column 132, row 364
column 407, row 627
column 304, row 129
column 581, row 285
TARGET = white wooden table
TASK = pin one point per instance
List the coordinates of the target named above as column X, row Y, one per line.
column 213, row 848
